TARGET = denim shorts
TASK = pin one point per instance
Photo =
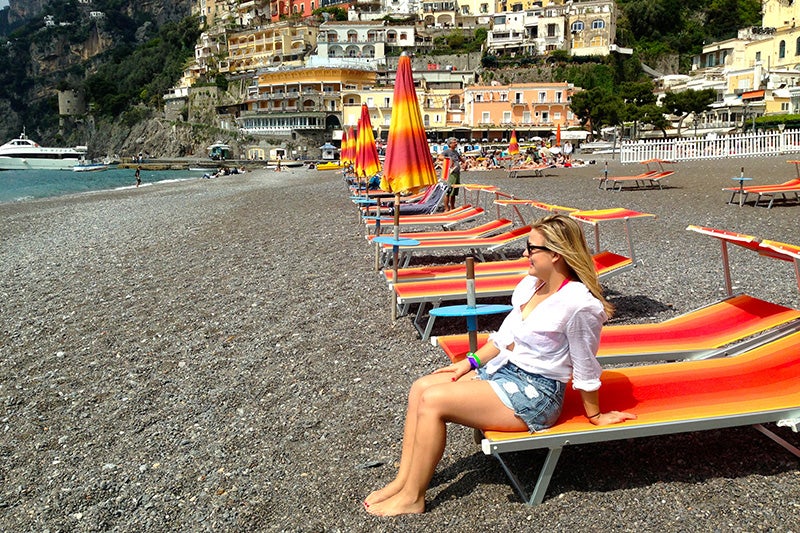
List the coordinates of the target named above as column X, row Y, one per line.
column 535, row 399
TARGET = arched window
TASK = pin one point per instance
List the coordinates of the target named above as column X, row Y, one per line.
column 577, row 26
column 598, row 24
column 797, row 47
column 782, row 50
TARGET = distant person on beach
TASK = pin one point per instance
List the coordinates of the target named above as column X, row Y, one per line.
column 517, row 380
column 138, row 176
column 454, row 177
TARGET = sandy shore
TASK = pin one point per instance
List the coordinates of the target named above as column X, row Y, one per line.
column 217, row 355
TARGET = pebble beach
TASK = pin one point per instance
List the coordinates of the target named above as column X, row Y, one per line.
column 219, row 355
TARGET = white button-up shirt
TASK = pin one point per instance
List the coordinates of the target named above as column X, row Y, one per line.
column 558, row 339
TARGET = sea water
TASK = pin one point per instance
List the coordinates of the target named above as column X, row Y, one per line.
column 21, row 185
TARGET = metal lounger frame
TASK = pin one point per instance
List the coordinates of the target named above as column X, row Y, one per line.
column 556, row 443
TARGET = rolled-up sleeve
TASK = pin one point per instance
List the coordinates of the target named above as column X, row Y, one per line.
column 505, row 335
column 583, row 335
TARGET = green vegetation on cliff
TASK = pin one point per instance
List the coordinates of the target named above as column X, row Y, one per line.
column 144, row 74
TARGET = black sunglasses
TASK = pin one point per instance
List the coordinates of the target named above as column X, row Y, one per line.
column 532, row 247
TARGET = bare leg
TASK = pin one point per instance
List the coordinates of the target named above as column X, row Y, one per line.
column 409, row 431
column 468, row 402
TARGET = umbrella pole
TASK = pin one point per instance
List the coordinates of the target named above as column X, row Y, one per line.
column 472, row 321
column 395, row 252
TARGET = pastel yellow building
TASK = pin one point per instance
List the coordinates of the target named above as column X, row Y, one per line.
column 441, row 109
column 301, row 99
column 281, row 44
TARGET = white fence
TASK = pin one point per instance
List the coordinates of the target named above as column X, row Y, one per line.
column 722, row 146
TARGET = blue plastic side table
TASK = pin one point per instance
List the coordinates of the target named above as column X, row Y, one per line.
column 741, row 180
column 470, row 313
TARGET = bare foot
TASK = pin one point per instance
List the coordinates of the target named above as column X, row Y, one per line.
column 381, row 494
column 397, row 505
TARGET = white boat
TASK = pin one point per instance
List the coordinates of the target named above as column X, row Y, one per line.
column 90, row 167
column 24, row 154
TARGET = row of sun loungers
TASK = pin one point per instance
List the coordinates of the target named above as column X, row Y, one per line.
column 447, row 219
column 738, row 358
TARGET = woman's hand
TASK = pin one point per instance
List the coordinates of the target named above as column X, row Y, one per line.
column 457, row 369
column 612, row 417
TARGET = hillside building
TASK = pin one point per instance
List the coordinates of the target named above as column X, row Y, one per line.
column 299, row 99
column 529, row 108
column 283, row 44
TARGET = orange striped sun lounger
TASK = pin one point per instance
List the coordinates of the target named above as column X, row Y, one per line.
column 759, row 386
column 459, row 270
column 720, row 328
column 476, row 246
column 536, row 171
column 603, row 181
column 647, row 179
column 447, row 219
column 438, row 290
column 604, row 262
column 483, row 230
column 791, row 187
column 597, row 216
column 688, row 336
column 516, row 203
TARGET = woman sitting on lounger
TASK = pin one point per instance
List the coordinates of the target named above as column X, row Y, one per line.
column 516, row 381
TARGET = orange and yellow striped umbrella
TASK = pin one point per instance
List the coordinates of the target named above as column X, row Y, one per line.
column 367, row 163
column 513, row 146
column 343, row 157
column 408, row 166
column 351, row 145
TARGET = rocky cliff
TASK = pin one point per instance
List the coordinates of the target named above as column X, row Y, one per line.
column 155, row 136
column 39, row 58
column 21, row 10
column 161, row 10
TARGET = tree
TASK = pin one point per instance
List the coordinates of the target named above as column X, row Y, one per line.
column 335, row 13
column 653, row 114
column 685, row 103
column 725, row 17
column 597, row 108
column 638, row 98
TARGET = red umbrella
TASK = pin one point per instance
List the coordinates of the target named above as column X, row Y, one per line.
column 513, row 146
column 367, row 163
column 558, row 135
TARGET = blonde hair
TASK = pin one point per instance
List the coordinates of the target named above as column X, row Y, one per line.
column 564, row 236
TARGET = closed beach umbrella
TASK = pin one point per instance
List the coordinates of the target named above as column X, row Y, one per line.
column 513, row 146
column 351, row 145
column 408, row 166
column 558, row 135
column 367, row 162
column 343, row 155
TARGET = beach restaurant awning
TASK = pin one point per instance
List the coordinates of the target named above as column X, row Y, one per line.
column 753, row 95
